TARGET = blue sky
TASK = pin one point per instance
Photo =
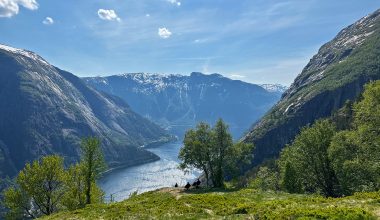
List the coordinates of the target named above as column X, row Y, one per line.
column 259, row 41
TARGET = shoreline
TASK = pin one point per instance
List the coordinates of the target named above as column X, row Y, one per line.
column 151, row 160
column 128, row 165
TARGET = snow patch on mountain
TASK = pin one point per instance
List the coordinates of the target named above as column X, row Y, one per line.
column 25, row 53
column 274, row 87
column 152, row 82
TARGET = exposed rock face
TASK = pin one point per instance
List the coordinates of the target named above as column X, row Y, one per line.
column 336, row 74
column 45, row 110
column 177, row 100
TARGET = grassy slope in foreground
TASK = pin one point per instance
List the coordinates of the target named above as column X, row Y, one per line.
column 172, row 203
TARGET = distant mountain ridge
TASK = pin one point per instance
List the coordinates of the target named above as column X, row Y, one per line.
column 45, row 110
column 334, row 75
column 274, row 87
column 173, row 100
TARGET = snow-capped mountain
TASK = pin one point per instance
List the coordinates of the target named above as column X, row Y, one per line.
column 274, row 87
column 45, row 110
column 178, row 100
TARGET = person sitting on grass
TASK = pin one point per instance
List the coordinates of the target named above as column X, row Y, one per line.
column 187, row 186
column 198, row 183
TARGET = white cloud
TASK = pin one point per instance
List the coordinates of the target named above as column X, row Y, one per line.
column 109, row 15
column 147, row 15
column 9, row 8
column 48, row 21
column 164, row 33
column 176, row 2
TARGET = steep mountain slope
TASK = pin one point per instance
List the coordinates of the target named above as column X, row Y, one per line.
column 336, row 74
column 45, row 110
column 177, row 100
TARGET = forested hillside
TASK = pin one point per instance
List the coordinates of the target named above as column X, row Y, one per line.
column 337, row 73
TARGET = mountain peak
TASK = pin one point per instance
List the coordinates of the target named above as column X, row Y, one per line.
column 185, row 100
column 337, row 73
column 199, row 74
column 274, row 87
column 336, row 51
column 25, row 53
column 51, row 110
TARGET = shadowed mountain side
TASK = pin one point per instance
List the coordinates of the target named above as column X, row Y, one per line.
column 45, row 110
column 337, row 73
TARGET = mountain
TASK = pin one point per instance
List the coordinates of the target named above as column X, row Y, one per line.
column 45, row 110
column 334, row 75
column 278, row 88
column 178, row 100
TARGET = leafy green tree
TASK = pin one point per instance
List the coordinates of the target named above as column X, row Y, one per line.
column 40, row 187
column 291, row 183
column 266, row 179
column 93, row 164
column 355, row 154
column 75, row 187
column 309, row 156
column 213, row 152
column 18, row 204
column 238, row 156
column 197, row 151
column 222, row 145
column 366, row 111
column 343, row 118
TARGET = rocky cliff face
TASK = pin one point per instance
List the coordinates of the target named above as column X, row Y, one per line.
column 335, row 74
column 177, row 100
column 45, row 110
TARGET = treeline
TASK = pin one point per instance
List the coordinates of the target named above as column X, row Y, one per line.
column 212, row 150
column 334, row 157
column 45, row 186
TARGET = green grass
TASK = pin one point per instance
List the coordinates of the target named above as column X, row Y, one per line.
column 231, row 204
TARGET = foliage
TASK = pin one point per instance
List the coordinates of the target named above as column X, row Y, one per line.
column 213, row 151
column 308, row 156
column 18, row 204
column 343, row 118
column 75, row 188
column 92, row 163
column 291, row 183
column 355, row 153
column 221, row 145
column 40, row 187
column 197, row 150
column 314, row 95
column 337, row 163
column 266, row 179
column 231, row 204
column 45, row 187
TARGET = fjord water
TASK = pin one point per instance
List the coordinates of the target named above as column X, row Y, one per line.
column 163, row 173
column 121, row 183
